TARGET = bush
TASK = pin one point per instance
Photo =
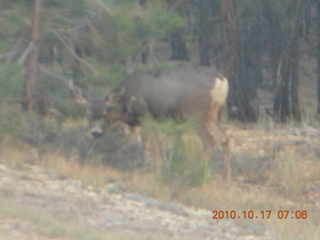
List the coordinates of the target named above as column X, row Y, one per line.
column 11, row 81
column 72, row 141
column 180, row 154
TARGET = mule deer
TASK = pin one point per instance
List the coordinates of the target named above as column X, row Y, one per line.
column 185, row 91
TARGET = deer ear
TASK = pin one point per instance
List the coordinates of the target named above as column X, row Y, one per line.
column 77, row 93
column 114, row 96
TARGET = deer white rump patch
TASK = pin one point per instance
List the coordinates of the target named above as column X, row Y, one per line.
column 219, row 91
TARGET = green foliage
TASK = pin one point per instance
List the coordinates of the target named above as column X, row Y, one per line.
column 69, row 138
column 127, row 25
column 156, row 21
column 102, row 33
column 108, row 76
column 14, row 15
column 11, row 85
column 38, row 133
column 279, row 5
column 169, row 126
column 55, row 94
column 182, row 166
column 187, row 168
column 11, row 81
column 7, row 4
column 69, row 108
column 73, row 8
column 8, row 119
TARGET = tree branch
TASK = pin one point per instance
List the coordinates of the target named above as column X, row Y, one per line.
column 63, row 41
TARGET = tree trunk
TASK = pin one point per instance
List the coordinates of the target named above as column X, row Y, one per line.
column 178, row 46
column 231, row 59
column 318, row 53
column 205, row 32
column 251, row 61
column 281, row 106
column 286, row 101
column 31, row 66
column 275, row 39
column 295, row 104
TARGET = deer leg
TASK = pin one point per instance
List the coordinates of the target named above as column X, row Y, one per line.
column 227, row 164
column 225, row 143
column 216, row 130
column 208, row 143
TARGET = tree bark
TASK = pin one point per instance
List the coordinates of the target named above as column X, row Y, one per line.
column 286, row 101
column 281, row 102
column 295, row 103
column 31, row 65
column 178, row 46
column 318, row 54
column 205, row 32
column 275, row 39
column 231, row 59
column 251, row 62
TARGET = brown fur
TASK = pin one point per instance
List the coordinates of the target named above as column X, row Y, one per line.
column 196, row 92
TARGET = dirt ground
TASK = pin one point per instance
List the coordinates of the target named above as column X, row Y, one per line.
column 30, row 187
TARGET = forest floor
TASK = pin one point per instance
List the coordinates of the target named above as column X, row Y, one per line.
column 37, row 203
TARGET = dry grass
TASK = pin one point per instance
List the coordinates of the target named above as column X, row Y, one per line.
column 274, row 169
column 53, row 225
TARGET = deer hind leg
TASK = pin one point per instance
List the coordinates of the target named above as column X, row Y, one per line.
column 215, row 130
column 208, row 143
